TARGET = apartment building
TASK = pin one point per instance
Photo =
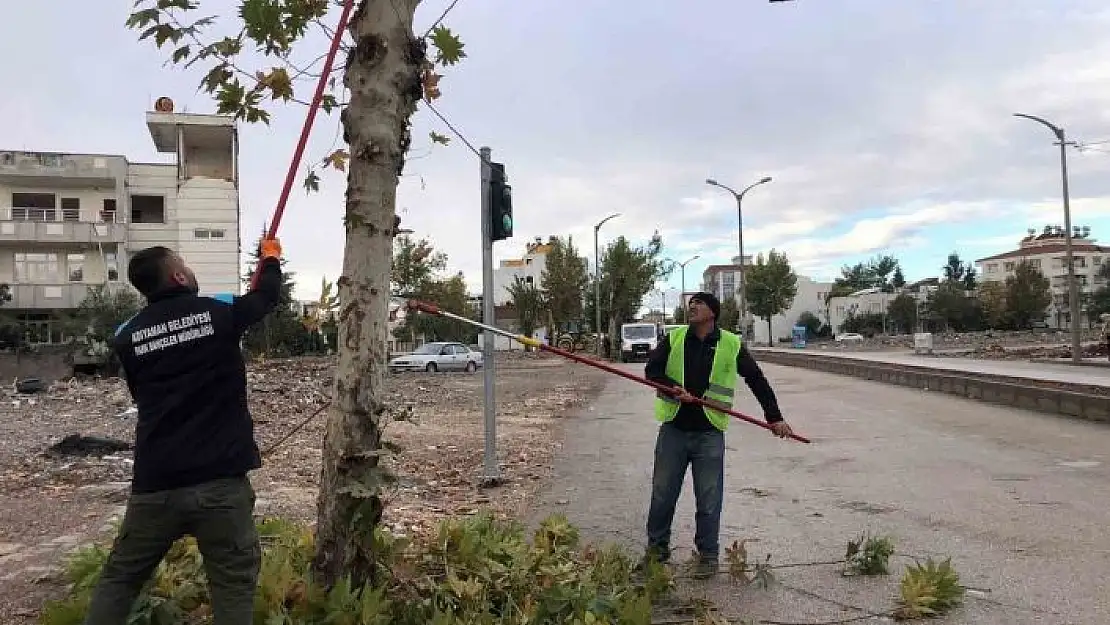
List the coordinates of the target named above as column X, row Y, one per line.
column 71, row 221
column 723, row 281
column 528, row 267
column 1046, row 251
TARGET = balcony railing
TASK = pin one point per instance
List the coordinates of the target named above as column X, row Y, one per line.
column 47, row 296
column 41, row 225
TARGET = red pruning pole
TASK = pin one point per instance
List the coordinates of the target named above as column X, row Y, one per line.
column 432, row 309
column 313, row 107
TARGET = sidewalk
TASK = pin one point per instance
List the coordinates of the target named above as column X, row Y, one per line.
column 1041, row 370
column 942, row 475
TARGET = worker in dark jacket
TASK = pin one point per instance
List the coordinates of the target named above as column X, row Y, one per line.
column 699, row 360
column 194, row 442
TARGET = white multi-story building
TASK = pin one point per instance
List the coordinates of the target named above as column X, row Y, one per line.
column 70, row 221
column 1046, row 251
column 810, row 298
column 529, row 268
column 874, row 301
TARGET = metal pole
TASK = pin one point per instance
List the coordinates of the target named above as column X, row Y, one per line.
column 597, row 283
column 597, row 296
column 1073, row 280
column 682, row 297
column 491, row 472
column 741, row 285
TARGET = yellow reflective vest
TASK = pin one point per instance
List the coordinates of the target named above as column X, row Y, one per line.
column 722, row 377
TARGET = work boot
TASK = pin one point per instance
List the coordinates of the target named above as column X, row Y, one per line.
column 653, row 554
column 706, row 567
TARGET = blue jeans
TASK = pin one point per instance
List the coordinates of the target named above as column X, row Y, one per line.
column 704, row 453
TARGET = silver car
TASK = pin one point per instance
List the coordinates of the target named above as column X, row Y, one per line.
column 442, row 356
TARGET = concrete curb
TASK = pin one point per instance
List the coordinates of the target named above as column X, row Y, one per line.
column 1072, row 400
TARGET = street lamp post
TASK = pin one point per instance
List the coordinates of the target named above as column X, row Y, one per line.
column 1073, row 282
column 740, row 236
column 682, row 294
column 597, row 286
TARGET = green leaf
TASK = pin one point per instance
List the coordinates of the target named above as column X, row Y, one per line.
column 311, row 182
column 181, row 54
column 438, row 138
column 162, row 33
column 140, row 19
column 449, row 48
column 217, row 77
column 328, row 103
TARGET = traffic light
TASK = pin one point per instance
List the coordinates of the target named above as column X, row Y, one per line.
column 500, row 204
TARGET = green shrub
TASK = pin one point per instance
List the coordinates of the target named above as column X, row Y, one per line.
column 476, row 571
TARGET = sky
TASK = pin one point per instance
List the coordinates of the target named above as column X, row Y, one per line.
column 887, row 127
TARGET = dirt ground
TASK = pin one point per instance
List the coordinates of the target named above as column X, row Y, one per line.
column 52, row 502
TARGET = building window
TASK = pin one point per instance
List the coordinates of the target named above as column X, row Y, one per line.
column 36, row 267
column 992, row 268
column 148, row 209
column 1008, row 265
column 111, row 266
column 108, row 211
column 34, row 207
column 208, row 233
column 71, row 209
column 75, row 264
column 41, row 328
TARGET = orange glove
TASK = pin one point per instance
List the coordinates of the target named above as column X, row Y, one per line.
column 271, row 248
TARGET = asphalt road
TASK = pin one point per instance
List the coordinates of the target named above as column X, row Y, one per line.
column 1019, row 500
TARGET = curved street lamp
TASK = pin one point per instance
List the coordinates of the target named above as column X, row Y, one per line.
column 1073, row 282
column 682, row 295
column 740, row 235
column 597, row 285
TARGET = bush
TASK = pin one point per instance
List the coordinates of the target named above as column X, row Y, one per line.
column 475, row 571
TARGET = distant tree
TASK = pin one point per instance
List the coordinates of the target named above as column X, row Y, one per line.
column 867, row 324
column 415, row 263
column 992, row 299
column 679, row 314
column 563, row 282
column 627, row 275
column 528, row 302
column 282, row 332
column 449, row 294
column 103, row 310
column 730, row 315
column 771, row 287
column 1027, row 295
column 903, row 312
column 811, row 323
column 960, row 273
column 898, row 281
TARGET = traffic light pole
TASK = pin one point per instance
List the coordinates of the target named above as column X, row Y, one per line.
column 491, row 471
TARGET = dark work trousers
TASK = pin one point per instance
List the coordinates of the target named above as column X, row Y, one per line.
column 219, row 514
column 704, row 453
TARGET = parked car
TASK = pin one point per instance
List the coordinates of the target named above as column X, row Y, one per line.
column 849, row 337
column 440, row 356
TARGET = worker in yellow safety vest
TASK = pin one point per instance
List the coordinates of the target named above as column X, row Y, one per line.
column 699, row 360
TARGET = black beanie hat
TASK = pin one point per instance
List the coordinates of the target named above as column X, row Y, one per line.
column 709, row 300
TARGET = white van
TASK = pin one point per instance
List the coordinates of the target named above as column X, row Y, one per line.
column 637, row 339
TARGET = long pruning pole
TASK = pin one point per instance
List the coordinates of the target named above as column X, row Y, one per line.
column 432, row 309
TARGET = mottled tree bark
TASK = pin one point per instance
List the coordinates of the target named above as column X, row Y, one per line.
column 383, row 75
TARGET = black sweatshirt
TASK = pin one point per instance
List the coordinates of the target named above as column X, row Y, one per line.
column 182, row 360
column 699, row 362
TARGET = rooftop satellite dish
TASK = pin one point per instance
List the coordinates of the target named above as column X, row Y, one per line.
column 163, row 105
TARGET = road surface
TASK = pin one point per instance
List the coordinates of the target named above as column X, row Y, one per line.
column 1055, row 372
column 1020, row 500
